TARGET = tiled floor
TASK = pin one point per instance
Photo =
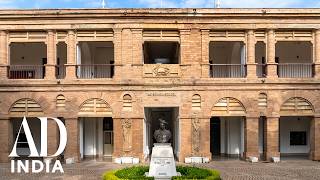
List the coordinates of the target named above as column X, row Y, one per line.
column 288, row 169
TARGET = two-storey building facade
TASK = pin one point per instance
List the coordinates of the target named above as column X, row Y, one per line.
column 229, row 82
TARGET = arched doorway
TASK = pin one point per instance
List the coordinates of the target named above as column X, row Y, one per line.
column 30, row 109
column 296, row 115
column 96, row 129
column 227, row 128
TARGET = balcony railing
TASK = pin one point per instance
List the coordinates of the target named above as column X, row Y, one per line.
column 296, row 70
column 26, row 71
column 91, row 71
column 228, row 70
column 60, row 71
column 261, row 70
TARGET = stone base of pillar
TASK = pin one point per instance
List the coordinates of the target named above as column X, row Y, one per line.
column 252, row 71
column 317, row 71
column 269, row 155
column 314, row 155
column 205, row 71
column 70, row 72
column 3, row 72
column 272, row 71
column 50, row 72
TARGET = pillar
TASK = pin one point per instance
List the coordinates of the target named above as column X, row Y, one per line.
column 271, row 138
column 72, row 149
column 117, row 138
column 185, row 138
column 4, row 62
column 53, row 137
column 205, row 138
column 137, row 53
column 5, row 139
column 71, row 55
column 251, row 137
column 271, row 55
column 117, row 52
column 251, row 63
column 51, row 56
column 205, row 67
column 315, row 139
column 317, row 53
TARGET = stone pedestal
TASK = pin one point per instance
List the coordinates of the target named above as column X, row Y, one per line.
column 162, row 165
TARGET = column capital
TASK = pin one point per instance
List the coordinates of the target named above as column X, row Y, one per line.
column 51, row 30
column 71, row 32
column 185, row 31
column 250, row 31
column 3, row 32
column 205, row 30
column 270, row 30
column 117, row 30
column 317, row 31
column 137, row 30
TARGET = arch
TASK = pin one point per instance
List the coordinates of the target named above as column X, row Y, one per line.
column 127, row 102
column 26, row 107
column 95, row 107
column 228, row 106
column 61, row 101
column 296, row 106
column 196, row 102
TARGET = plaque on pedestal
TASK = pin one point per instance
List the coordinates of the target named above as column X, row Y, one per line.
column 162, row 165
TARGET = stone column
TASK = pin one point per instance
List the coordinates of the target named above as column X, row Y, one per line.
column 4, row 61
column 185, row 138
column 271, row 55
column 117, row 138
column 137, row 138
column 271, row 138
column 53, row 137
column 72, row 150
column 251, row 137
column 190, row 52
column 205, row 53
column 137, row 53
column 51, row 56
column 251, row 63
column 5, row 139
column 117, row 52
column 71, row 55
column 315, row 139
column 205, row 138
column 317, row 53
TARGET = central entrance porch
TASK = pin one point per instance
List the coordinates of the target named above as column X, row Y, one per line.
column 151, row 124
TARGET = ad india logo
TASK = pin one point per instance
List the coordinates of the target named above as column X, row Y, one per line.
column 38, row 166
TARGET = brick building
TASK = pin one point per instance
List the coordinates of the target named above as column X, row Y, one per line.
column 229, row 82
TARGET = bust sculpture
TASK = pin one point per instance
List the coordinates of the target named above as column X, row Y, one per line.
column 162, row 135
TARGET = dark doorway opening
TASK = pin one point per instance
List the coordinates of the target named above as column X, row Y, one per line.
column 215, row 140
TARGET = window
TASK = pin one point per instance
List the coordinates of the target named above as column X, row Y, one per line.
column 127, row 102
column 298, row 138
column 161, row 52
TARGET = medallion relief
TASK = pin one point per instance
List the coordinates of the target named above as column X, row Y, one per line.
column 161, row 71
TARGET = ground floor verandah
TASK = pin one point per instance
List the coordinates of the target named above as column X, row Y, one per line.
column 228, row 131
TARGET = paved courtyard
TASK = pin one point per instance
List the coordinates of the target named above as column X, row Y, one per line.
column 230, row 170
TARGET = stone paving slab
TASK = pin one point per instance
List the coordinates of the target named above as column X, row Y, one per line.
column 230, row 170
